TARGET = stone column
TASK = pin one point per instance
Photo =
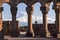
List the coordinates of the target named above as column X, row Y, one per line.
column 59, row 20
column 1, row 28
column 1, row 9
column 29, row 10
column 44, row 29
column 57, row 23
column 14, row 31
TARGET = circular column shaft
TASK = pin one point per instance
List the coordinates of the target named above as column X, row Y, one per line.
column 44, row 29
column 29, row 10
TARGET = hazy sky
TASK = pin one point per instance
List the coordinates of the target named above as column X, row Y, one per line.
column 6, row 14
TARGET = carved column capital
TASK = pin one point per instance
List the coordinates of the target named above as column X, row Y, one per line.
column 43, row 9
column 29, row 10
column 55, row 8
column 13, row 10
column 56, row 11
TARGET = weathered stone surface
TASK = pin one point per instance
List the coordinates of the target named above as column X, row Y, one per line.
column 33, row 38
column 29, row 3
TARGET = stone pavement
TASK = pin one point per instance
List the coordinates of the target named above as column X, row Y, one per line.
column 29, row 38
column 22, row 37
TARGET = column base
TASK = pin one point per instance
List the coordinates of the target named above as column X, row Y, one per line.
column 48, row 34
column 14, row 33
column 29, row 34
column 43, row 34
column 58, row 35
column 54, row 35
column 1, row 35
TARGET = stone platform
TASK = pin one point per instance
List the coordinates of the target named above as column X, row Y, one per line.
column 30, row 38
